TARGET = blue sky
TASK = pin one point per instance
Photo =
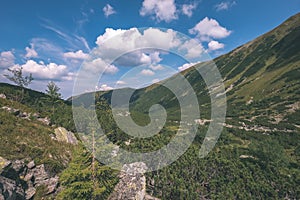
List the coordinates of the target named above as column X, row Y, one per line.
column 51, row 39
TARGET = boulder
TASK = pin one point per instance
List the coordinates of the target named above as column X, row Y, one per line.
column 30, row 193
column 132, row 184
column 45, row 120
column 2, row 96
column 62, row 135
column 12, row 174
column 31, row 164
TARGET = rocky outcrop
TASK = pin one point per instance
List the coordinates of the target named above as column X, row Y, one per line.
column 2, row 96
column 63, row 135
column 132, row 184
column 28, row 116
column 19, row 180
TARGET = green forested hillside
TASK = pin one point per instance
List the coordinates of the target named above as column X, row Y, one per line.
column 256, row 157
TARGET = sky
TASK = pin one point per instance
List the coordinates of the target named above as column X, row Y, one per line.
column 126, row 43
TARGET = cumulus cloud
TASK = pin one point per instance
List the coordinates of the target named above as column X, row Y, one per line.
column 186, row 66
column 193, row 48
column 108, row 10
column 156, row 67
column 225, row 5
column 147, row 72
column 99, row 65
column 76, row 55
column 7, row 59
column 156, row 80
column 114, row 43
column 215, row 45
column 30, row 52
column 209, row 28
column 43, row 71
column 134, row 47
column 104, row 87
column 121, row 82
column 162, row 10
column 187, row 9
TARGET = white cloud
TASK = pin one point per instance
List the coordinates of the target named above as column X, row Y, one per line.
column 156, row 67
column 187, row 9
column 209, row 28
column 7, row 59
column 193, row 48
column 121, row 83
column 73, row 41
column 104, row 87
column 108, row 10
column 186, row 66
column 134, row 47
column 114, row 43
column 30, row 52
column 155, row 80
column 215, row 45
column 99, row 65
column 147, row 72
column 46, row 71
column 225, row 5
column 163, row 10
column 76, row 55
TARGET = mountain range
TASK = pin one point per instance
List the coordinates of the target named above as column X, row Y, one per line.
column 257, row 155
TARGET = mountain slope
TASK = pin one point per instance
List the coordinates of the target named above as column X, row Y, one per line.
column 257, row 155
column 257, row 151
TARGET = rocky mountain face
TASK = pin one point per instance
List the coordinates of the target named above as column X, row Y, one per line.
column 20, row 179
column 132, row 183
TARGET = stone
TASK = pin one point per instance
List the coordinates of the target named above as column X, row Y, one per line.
column 31, row 176
column 62, row 135
column 132, row 184
column 4, row 163
column 36, row 115
column 2, row 96
column 28, row 177
column 18, row 166
column 31, row 164
column 10, row 189
column 30, row 193
column 149, row 197
column 52, row 184
column 45, row 120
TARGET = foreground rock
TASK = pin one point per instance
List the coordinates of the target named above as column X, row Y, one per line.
column 63, row 135
column 132, row 184
column 19, row 180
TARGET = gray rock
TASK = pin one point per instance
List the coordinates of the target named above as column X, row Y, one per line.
column 18, row 166
column 36, row 115
column 24, row 115
column 30, row 193
column 4, row 163
column 132, row 184
column 62, row 135
column 10, row 190
column 28, row 177
column 45, row 120
column 31, row 165
column 2, row 96
column 40, row 175
column 34, row 176
column 52, row 184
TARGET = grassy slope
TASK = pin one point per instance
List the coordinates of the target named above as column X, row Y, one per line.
column 266, row 69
